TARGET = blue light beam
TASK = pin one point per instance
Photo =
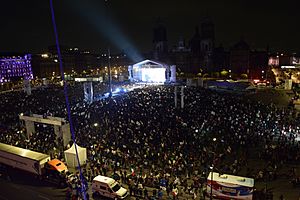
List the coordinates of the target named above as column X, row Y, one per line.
column 98, row 17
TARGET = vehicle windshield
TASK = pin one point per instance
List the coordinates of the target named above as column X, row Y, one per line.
column 116, row 188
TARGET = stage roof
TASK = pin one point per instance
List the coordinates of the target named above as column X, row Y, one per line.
column 150, row 62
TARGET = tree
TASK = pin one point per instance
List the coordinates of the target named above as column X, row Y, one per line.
column 224, row 73
column 244, row 76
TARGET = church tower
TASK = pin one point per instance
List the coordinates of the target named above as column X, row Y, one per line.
column 207, row 35
column 160, row 42
column 207, row 42
column 195, row 42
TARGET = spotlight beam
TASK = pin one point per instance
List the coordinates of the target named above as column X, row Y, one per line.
column 95, row 16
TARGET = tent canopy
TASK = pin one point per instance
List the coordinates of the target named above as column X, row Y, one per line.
column 71, row 157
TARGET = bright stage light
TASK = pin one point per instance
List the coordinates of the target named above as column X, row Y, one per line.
column 118, row 90
column 106, row 94
column 45, row 55
column 156, row 75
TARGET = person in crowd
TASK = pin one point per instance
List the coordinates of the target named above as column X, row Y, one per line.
column 141, row 137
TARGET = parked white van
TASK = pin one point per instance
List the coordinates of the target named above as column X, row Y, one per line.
column 108, row 187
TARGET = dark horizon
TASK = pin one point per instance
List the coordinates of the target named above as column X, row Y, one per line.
column 27, row 26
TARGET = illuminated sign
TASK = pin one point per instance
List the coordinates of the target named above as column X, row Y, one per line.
column 288, row 67
column 100, row 79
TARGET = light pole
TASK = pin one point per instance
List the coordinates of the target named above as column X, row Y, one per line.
column 212, row 171
column 109, row 73
column 108, row 52
column 211, row 180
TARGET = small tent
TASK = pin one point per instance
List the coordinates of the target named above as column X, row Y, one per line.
column 71, row 157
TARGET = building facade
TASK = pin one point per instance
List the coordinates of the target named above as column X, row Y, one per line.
column 195, row 56
column 244, row 60
column 73, row 60
column 200, row 56
column 240, row 58
column 15, row 67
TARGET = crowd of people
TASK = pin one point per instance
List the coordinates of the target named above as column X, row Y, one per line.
column 143, row 140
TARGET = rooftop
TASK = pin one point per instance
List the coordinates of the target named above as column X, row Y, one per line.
column 104, row 179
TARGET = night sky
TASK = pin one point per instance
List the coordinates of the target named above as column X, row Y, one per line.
column 26, row 25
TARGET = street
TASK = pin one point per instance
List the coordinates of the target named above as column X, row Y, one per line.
column 25, row 187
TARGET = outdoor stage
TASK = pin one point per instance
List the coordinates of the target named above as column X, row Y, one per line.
column 149, row 71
